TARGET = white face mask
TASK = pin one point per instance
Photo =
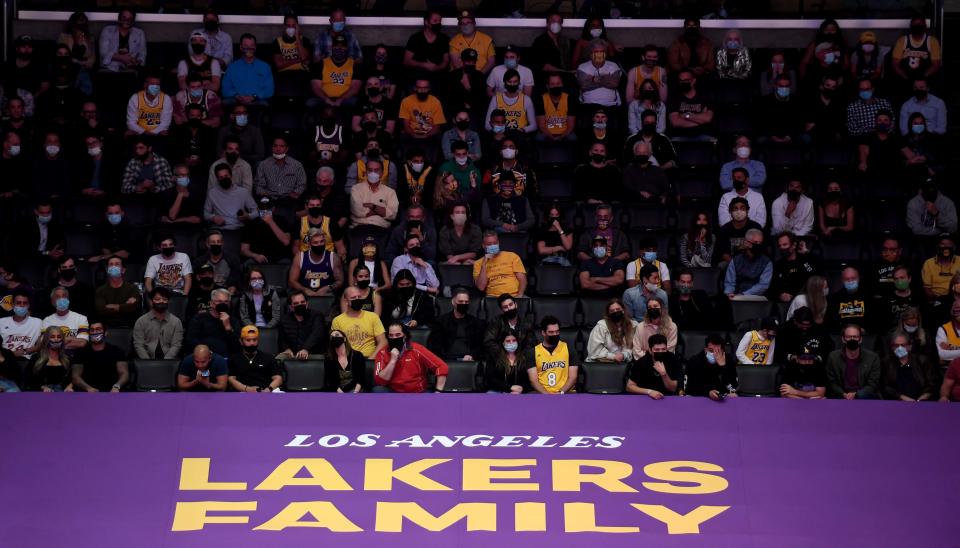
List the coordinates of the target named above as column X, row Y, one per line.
column 868, row 48
column 509, row 153
column 555, row 28
column 279, row 156
column 94, row 151
column 462, row 160
column 739, row 215
column 651, row 287
column 595, row 33
column 417, row 166
column 291, row 31
column 373, row 177
column 459, row 219
column 52, row 150
column 743, row 152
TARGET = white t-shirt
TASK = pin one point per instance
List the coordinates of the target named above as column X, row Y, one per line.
column 72, row 325
column 170, row 273
column 20, row 335
column 495, row 78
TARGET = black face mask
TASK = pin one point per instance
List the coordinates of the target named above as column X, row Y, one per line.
column 225, row 183
column 373, row 92
column 198, row 48
column 510, row 314
column 660, row 356
column 793, row 195
column 929, row 195
column 160, row 307
column 301, row 310
column 828, row 93
column 834, row 196
column 551, row 340
column 369, row 126
column 852, row 344
column 511, row 88
column 686, row 87
column 363, row 284
column 653, row 313
column 415, row 251
column 210, row 26
column 336, row 342
column 205, row 282
column 648, row 128
column 251, row 349
column 314, row 211
column 222, row 307
column 422, row 96
column 642, row 158
column 232, row 157
column 68, row 274
column 167, row 251
column 395, row 343
column 463, row 308
column 216, row 249
column 318, row 249
column 462, row 125
column 649, row 95
column 691, row 33
column 436, row 28
column 918, row 29
column 405, row 292
column 616, row 316
column 373, row 153
column 556, row 91
column 739, row 185
column 356, row 305
column 597, row 158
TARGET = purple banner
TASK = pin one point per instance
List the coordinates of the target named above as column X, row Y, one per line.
column 233, row 470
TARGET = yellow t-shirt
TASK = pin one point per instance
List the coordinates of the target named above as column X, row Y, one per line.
column 361, row 332
column 480, row 42
column 501, row 273
column 337, row 80
column 936, row 277
column 516, row 114
column 758, row 349
column 553, row 369
column 424, row 115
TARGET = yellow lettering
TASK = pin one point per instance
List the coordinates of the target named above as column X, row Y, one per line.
column 478, row 476
column 322, row 474
column 379, row 475
column 325, row 514
column 679, row 524
column 666, row 471
column 581, row 517
column 568, row 477
column 480, row 516
column 530, row 516
column 191, row 516
column 195, row 476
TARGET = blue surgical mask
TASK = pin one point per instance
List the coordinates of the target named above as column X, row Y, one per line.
column 599, row 252
column 499, row 129
column 114, row 218
column 917, row 129
column 511, row 347
column 62, row 304
column 492, row 249
column 829, row 58
column 153, row 89
column 256, row 284
column 851, row 286
column 866, row 94
column 900, row 352
column 649, row 256
column 114, row 271
column 732, row 44
column 711, row 358
column 241, row 120
column 599, row 125
column 510, row 63
column 783, row 93
column 14, row 150
column 338, row 26
column 20, row 311
column 195, row 93
column 44, row 219
column 183, row 181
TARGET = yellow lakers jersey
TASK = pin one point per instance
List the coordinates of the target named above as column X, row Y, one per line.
column 759, row 349
column 638, row 264
column 658, row 75
column 337, row 80
column 516, row 114
column 555, row 116
column 290, row 52
column 149, row 117
column 324, row 227
column 553, row 369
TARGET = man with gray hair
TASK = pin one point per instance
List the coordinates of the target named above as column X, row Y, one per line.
column 599, row 78
column 217, row 329
column 750, row 271
column 336, row 202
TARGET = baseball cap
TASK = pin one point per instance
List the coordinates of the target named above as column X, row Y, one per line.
column 205, row 267
column 868, row 36
column 512, row 49
column 369, row 240
column 600, row 238
column 469, row 54
column 770, row 323
column 198, row 34
column 250, row 331
column 465, row 14
column 265, row 203
column 340, row 40
column 22, row 39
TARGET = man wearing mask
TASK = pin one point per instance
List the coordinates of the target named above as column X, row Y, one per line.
column 648, row 255
column 158, row 334
column 421, row 113
column 266, row 238
column 458, row 335
column 466, row 87
column 20, row 332
column 709, row 373
column 98, row 171
column 657, row 373
column 314, row 218
column 801, row 335
column 219, row 44
column 228, row 207
column 891, row 256
column 509, row 320
column 499, row 271
column 690, row 308
column 371, row 202
column 930, row 213
column 336, row 80
column 506, row 211
column 781, row 120
column 169, row 268
column 938, row 270
column 251, row 369
column 248, row 80
column 336, row 202
column 517, row 108
column 619, row 243
column 74, row 326
column 792, row 211
column 249, row 139
column 202, row 371
column 416, row 179
column 691, row 50
column 371, row 152
column 316, row 272
column 402, row 365
column 302, row 331
column 150, row 110
column 862, row 112
column 13, row 165
column 186, row 203
column 417, row 223
column 217, row 328
column 123, row 47
column 412, row 260
column 291, row 57
column 555, row 112
column 791, row 270
column 901, row 298
column 338, row 29
column 42, row 236
column 205, row 281
column 756, row 170
column 823, row 115
column 852, row 303
column 636, row 298
column 282, row 177
column 690, row 111
column 470, row 38
column 117, row 302
column 757, row 210
column 199, row 64
column 101, row 366
column 374, row 99
column 51, row 172
column 643, row 181
column 146, row 172
column 427, row 52
column 370, row 130
column 917, row 54
column 602, row 275
column 599, row 78
column 81, row 294
column 553, row 366
column 551, row 51
column 661, row 149
column 362, row 328
column 731, row 234
column 241, row 174
column 115, row 234
column 933, row 108
column 597, row 181
column 853, row 372
column 511, row 61
column 648, row 69
column 804, row 377
column 750, row 271
column 757, row 346
column 194, row 141
column 227, row 271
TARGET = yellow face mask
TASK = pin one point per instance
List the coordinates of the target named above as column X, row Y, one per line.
column 599, row 57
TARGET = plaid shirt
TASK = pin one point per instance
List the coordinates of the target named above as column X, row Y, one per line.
column 862, row 115
column 162, row 175
column 276, row 180
column 324, row 44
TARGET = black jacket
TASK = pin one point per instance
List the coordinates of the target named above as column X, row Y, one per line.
column 444, row 342
column 357, row 365
column 701, row 376
column 499, row 380
column 309, row 335
column 422, row 311
column 497, row 329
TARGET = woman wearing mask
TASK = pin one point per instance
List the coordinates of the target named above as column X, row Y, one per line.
column 554, row 241
column 593, row 29
column 923, row 145
column 379, row 67
column 506, row 372
column 261, row 305
column 696, row 246
column 370, row 258
column 866, row 59
column 648, row 100
column 49, row 369
column 446, row 193
column 911, row 323
column 814, row 297
column 344, row 369
column 656, row 321
column 372, row 302
column 825, row 55
column 76, row 36
column 836, row 214
column 611, row 340
column 460, row 240
column 407, row 304
column 777, row 68
column 733, row 59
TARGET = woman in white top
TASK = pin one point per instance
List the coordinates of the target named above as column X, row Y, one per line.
column 657, row 320
column 814, row 297
column 612, row 338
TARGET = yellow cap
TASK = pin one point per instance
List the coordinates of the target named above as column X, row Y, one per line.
column 250, row 331
column 868, row 36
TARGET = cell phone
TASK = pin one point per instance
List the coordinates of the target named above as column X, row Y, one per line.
column 205, row 373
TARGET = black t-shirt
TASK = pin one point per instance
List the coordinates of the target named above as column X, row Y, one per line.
column 885, row 155
column 262, row 240
column 8, row 367
column 100, row 367
column 694, row 105
column 594, row 183
column 424, row 51
column 730, row 238
column 386, row 109
column 792, row 341
column 828, row 120
column 117, row 238
column 702, row 376
column 258, row 371
column 644, row 375
column 791, row 276
column 805, row 377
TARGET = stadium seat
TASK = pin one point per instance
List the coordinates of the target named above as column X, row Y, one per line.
column 456, row 274
column 269, row 340
column 82, row 242
column 178, row 306
column 516, row 242
column 461, row 376
column 692, row 342
column 747, row 313
column 554, row 279
column 492, row 310
column 758, row 380
column 85, row 212
column 121, row 337
column 135, row 272
column 885, row 216
column 780, row 155
column 322, row 305
column 303, row 376
column 647, row 216
column 563, row 308
column 275, row 274
column 556, row 153
column 556, row 184
column 369, row 370
column 842, row 250
column 139, row 214
column 420, row 335
column 87, row 272
column 604, row 378
column 733, row 121
column 707, row 279
column 156, row 375
column 591, row 310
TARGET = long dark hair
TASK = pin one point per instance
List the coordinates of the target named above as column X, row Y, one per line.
column 694, row 233
column 331, row 356
column 377, row 274
column 449, row 212
column 402, row 274
column 585, row 33
column 838, row 41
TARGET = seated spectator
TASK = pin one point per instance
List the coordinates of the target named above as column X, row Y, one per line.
column 600, row 130
column 656, row 321
column 216, row 328
column 657, row 373
column 158, row 334
column 200, row 65
column 280, row 178
column 916, row 54
column 316, row 272
column 76, row 39
column 49, row 368
column 891, row 256
column 506, row 369
column 99, row 169
column 205, row 281
column 930, row 213
column 734, row 61
column 252, row 369
column 511, row 61
column 553, row 241
column 459, row 241
column 402, row 365
column 13, row 163
column 851, row 304
column 427, row 53
column 804, row 377
column 599, row 180
column 51, row 173
column 556, row 112
column 465, row 87
column 81, row 293
column 853, row 372
column 372, row 301
column 370, row 257
column 691, row 49
column 227, row 271
column 74, row 326
column 824, row 114
column 939, row 270
column 593, row 29
column 692, row 308
column 228, row 206
column 907, row 376
column 791, row 270
column 372, row 154
column 371, row 202
column 240, row 172
column 149, row 111
column 690, row 112
column 803, row 335
column 552, row 366
column 291, row 56
column 826, row 54
column 331, row 141
column 416, row 185
column 116, row 235
column 926, row 158
column 882, row 152
column 376, row 99
column 620, row 244
column 412, row 261
column 259, row 305
column 862, row 113
column 248, row 80
column 732, row 234
column 523, row 175
column 336, row 80
column 792, row 211
column 757, row 207
column 338, row 27
column 117, row 302
column 459, row 133
column 697, row 244
column 836, row 213
column 101, row 366
column 750, row 271
column 219, row 43
column 648, row 255
column 648, row 100
column 813, row 298
column 611, row 339
column 421, row 114
column 756, row 171
column 778, row 68
column 637, row 297
column 266, row 237
column 302, row 331
column 662, row 153
column 757, row 346
column 499, row 271
column 508, row 322
column 170, row 268
column 648, row 69
column 708, row 373
column 19, row 332
column 602, row 275
column 249, row 139
column 408, row 304
column 507, row 211
column 933, row 109
column 123, row 47
column 518, row 108
column 643, row 181
column 866, row 58
column 194, row 142
column 146, row 172
column 313, row 217
column 447, row 193
column 417, row 224
column 948, row 337
column 901, row 298
column 599, row 78
column 458, row 335
column 349, row 375
column 202, row 371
